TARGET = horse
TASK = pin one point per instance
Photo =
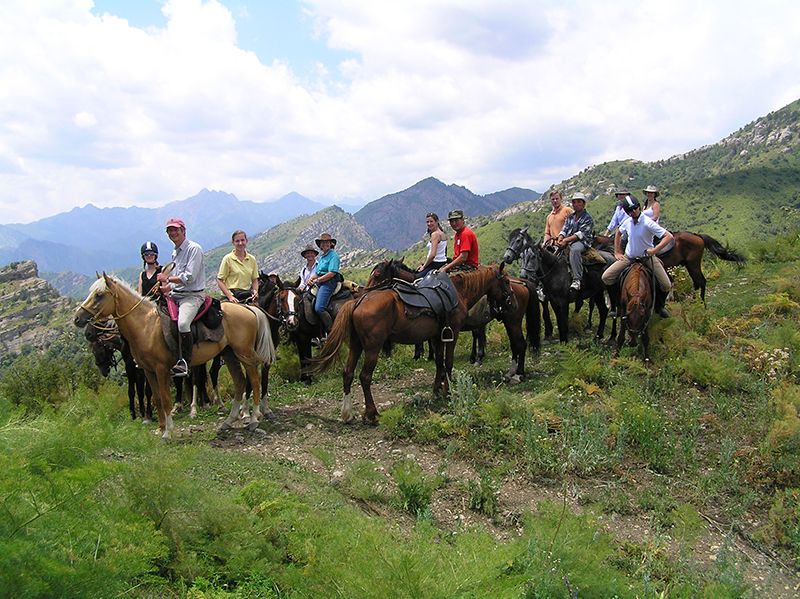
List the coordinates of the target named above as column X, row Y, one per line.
column 245, row 341
column 380, row 315
column 636, row 306
column 510, row 314
column 104, row 344
column 293, row 320
column 687, row 251
column 552, row 272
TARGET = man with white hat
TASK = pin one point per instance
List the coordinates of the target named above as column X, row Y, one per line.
column 186, row 285
column 577, row 233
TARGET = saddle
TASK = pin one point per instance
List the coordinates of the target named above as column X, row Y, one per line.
column 589, row 257
column 434, row 292
column 206, row 326
column 343, row 292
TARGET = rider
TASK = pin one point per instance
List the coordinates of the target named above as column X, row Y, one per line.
column 148, row 278
column 465, row 246
column 325, row 278
column 186, row 285
column 651, row 206
column 309, row 268
column 437, row 246
column 640, row 230
column 555, row 220
column 238, row 271
column 619, row 212
column 577, row 233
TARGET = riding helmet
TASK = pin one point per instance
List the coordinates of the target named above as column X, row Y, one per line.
column 149, row 246
column 629, row 202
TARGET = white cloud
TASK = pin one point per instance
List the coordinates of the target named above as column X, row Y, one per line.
column 488, row 94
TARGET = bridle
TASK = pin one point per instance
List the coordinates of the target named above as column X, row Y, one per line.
column 639, row 295
column 285, row 315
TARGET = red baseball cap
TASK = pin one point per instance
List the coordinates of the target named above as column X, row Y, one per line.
column 175, row 222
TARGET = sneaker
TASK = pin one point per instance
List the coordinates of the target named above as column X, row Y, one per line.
column 576, row 285
column 180, row 368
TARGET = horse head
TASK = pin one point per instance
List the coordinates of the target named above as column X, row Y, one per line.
column 636, row 299
column 517, row 242
column 100, row 302
column 499, row 293
column 288, row 307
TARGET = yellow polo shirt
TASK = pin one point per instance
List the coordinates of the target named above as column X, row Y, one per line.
column 238, row 274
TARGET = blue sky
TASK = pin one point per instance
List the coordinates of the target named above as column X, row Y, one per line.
column 141, row 103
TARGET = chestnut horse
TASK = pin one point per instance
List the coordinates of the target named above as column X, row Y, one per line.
column 380, row 315
column 246, row 340
column 688, row 251
column 510, row 314
column 636, row 306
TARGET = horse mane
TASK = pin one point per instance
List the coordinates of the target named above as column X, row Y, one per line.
column 100, row 285
column 635, row 287
column 470, row 283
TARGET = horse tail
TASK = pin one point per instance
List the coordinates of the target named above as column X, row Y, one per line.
column 339, row 335
column 533, row 319
column 724, row 252
column 264, row 346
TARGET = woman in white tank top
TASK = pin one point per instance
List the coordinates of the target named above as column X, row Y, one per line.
column 437, row 246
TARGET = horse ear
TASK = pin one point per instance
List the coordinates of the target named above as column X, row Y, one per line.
column 400, row 260
column 502, row 265
column 106, row 278
column 525, row 230
column 97, row 273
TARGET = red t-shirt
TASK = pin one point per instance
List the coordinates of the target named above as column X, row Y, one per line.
column 466, row 241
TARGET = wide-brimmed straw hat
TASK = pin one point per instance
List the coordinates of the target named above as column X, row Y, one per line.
column 325, row 237
column 309, row 248
column 651, row 189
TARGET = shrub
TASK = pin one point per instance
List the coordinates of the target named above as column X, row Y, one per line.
column 414, row 490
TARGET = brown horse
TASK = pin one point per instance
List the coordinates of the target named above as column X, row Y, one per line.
column 246, row 340
column 688, row 251
column 636, row 307
column 380, row 315
column 511, row 315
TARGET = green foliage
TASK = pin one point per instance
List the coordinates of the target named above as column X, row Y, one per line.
column 414, row 490
column 483, row 495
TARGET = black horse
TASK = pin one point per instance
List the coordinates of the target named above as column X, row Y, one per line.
column 552, row 272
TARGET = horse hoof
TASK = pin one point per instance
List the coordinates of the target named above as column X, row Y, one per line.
column 370, row 422
column 268, row 414
column 225, row 426
column 349, row 420
column 253, row 425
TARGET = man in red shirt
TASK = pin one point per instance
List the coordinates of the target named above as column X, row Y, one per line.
column 465, row 254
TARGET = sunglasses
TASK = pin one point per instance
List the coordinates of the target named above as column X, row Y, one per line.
column 149, row 254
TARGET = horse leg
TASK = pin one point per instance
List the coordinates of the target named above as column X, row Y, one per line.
column 160, row 383
column 216, row 366
column 254, row 380
column 132, row 384
column 621, row 338
column 235, row 369
column 370, row 415
column 646, row 345
column 562, row 321
column 548, row 322
column 178, row 405
column 430, row 351
column 303, row 343
column 479, row 339
column 348, row 373
column 447, row 366
column 518, row 346
column 148, row 394
column 602, row 310
column 419, row 349
column 698, row 279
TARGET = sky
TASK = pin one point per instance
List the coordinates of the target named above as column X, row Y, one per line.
column 141, row 103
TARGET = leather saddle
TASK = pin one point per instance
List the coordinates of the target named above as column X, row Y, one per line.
column 341, row 294
column 434, row 292
column 206, row 326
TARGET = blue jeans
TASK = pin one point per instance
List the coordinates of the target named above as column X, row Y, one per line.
column 324, row 292
column 576, row 259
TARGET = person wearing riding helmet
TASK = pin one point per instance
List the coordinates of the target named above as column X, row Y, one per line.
column 640, row 230
column 148, row 280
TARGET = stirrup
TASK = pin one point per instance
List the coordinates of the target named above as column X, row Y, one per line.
column 180, row 368
column 447, row 335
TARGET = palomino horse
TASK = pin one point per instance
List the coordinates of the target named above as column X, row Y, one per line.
column 246, row 340
column 636, row 306
column 688, row 252
column 379, row 315
column 552, row 272
column 510, row 312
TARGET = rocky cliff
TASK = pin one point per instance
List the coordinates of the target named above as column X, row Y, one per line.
column 31, row 312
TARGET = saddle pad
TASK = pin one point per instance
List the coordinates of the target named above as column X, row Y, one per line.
column 200, row 332
column 172, row 308
column 592, row 256
column 435, row 291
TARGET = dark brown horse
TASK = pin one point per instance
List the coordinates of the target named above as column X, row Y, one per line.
column 636, row 306
column 688, row 252
column 380, row 315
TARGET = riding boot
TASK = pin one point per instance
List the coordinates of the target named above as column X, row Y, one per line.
column 613, row 295
column 661, row 299
column 327, row 324
column 185, row 346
